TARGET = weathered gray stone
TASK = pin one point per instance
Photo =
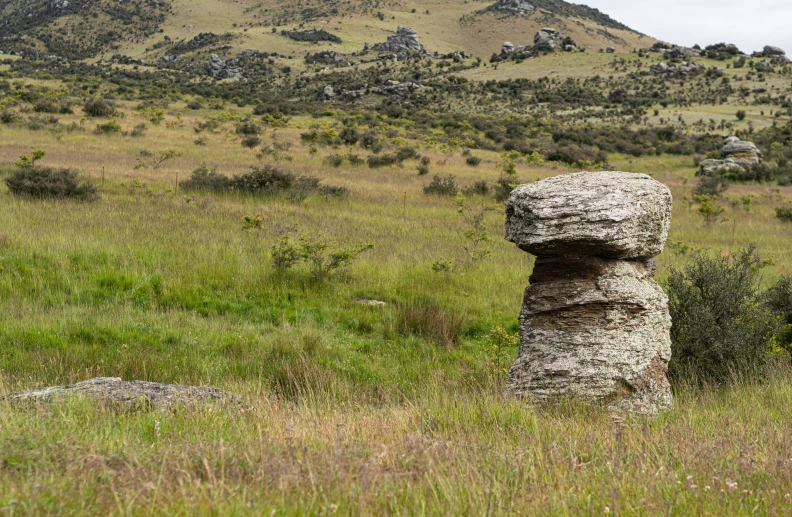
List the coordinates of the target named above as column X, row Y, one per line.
column 397, row 88
column 741, row 151
column 604, row 214
column 405, row 39
column 129, row 393
column 514, row 7
column 597, row 329
column 770, row 51
column 547, row 39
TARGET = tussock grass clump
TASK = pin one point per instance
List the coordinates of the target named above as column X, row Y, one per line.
column 429, row 321
column 49, row 182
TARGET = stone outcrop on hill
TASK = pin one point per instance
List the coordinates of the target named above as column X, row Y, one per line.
column 514, row 7
column 547, row 40
column 128, row 393
column 397, row 88
column 737, row 155
column 220, row 69
column 683, row 70
column 405, row 40
column 594, row 323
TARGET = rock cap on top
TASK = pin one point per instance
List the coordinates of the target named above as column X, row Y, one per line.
column 619, row 215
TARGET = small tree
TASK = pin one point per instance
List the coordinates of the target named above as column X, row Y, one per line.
column 30, row 160
column 476, row 232
column 156, row 160
column 741, row 115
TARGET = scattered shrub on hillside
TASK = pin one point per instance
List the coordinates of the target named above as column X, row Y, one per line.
column 194, row 105
column 29, row 160
column 370, row 140
column 720, row 325
column 111, row 127
column 8, row 117
column 251, row 141
column 268, row 180
column 323, row 258
column 779, row 300
column 741, row 115
column 99, row 108
column 713, row 186
column 442, row 186
column 47, row 182
column 784, row 213
column 146, row 158
column 139, row 130
column 473, row 161
column 206, row 179
column 479, row 188
column 376, row 161
column 504, row 186
column 349, row 135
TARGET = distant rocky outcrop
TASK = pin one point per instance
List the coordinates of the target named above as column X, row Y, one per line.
column 547, row 39
column 677, row 52
column 220, row 69
column 738, row 155
column 129, row 393
column 513, row 7
column 405, row 40
column 594, row 324
column 397, row 88
column 722, row 51
column 325, row 57
column 683, row 70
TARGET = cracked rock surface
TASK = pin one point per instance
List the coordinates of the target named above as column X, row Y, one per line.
column 129, row 393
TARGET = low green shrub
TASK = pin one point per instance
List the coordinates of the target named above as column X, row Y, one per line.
column 442, row 186
column 721, row 326
column 784, row 213
column 39, row 182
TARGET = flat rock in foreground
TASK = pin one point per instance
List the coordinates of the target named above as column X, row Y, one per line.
column 618, row 215
column 130, row 393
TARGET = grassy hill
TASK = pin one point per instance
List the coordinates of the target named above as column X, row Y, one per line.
column 81, row 29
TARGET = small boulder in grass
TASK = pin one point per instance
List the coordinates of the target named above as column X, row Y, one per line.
column 130, row 394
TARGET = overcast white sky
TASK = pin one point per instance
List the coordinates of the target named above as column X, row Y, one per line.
column 749, row 25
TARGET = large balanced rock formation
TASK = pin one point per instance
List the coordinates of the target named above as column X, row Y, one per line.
column 738, row 155
column 129, row 393
column 594, row 323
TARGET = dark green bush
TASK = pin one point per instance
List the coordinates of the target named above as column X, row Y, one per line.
column 473, row 161
column 442, row 186
column 713, row 186
column 47, row 182
column 268, row 180
column 206, row 179
column 99, row 108
column 721, row 326
column 784, row 213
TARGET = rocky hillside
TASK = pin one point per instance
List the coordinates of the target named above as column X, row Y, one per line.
column 146, row 29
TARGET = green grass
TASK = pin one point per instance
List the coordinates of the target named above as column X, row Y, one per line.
column 355, row 409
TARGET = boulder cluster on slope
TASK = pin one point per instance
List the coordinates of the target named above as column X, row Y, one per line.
column 776, row 55
column 405, row 40
column 684, row 70
column 738, row 155
column 514, row 7
column 594, row 324
column 545, row 41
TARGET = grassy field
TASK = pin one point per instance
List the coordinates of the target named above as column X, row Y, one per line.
column 353, row 409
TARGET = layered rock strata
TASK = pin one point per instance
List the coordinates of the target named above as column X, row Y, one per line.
column 594, row 323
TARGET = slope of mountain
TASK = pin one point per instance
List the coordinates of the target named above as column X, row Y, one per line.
column 79, row 29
